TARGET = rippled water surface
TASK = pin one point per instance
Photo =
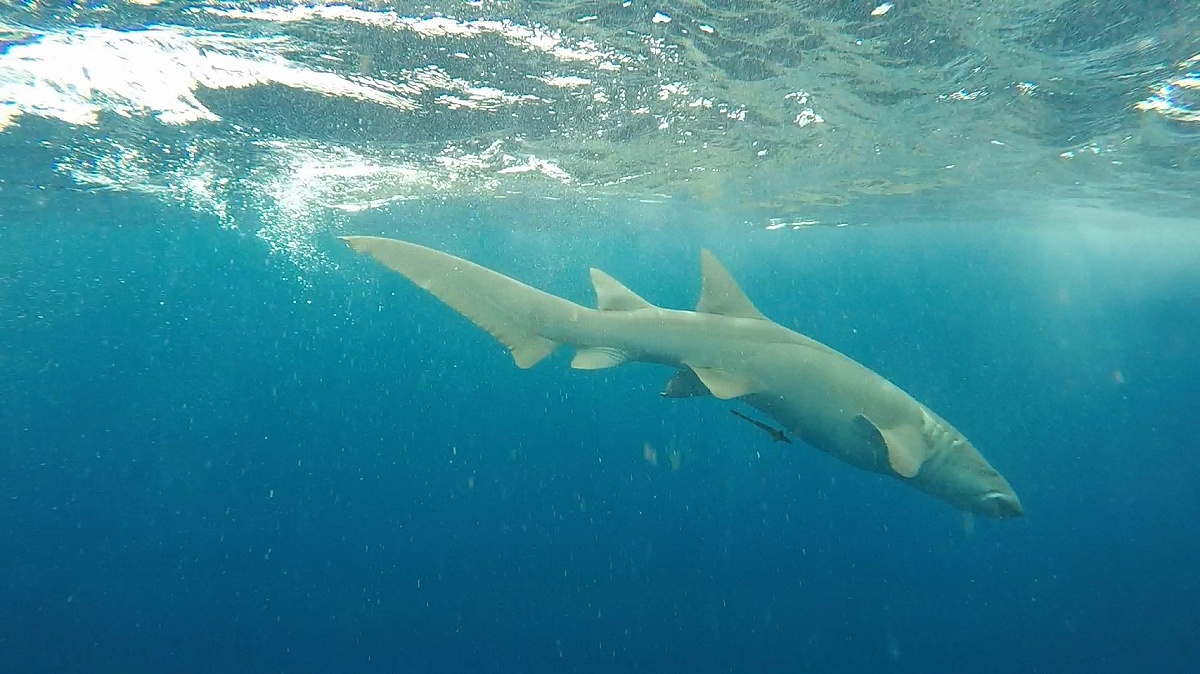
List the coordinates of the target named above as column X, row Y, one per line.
column 776, row 112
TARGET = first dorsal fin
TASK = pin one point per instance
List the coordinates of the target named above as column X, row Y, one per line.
column 720, row 294
column 612, row 295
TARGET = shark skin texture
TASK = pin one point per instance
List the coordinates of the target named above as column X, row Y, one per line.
column 725, row 348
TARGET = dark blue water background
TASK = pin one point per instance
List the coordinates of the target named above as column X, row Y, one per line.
column 208, row 465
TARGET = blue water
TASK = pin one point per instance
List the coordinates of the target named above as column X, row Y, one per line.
column 209, row 465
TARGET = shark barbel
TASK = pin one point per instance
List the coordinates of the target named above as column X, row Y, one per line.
column 725, row 348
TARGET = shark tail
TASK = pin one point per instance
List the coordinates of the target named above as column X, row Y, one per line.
column 517, row 315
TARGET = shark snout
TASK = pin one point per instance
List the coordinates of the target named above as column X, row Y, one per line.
column 1002, row 505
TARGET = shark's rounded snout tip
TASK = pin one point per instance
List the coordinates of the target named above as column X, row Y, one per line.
column 1002, row 505
column 1012, row 509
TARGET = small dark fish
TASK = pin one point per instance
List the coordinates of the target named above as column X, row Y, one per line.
column 776, row 434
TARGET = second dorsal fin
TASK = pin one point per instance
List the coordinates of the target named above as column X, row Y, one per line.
column 720, row 294
column 612, row 295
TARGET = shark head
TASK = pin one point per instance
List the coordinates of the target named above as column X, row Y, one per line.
column 954, row 471
column 970, row 483
column 963, row 478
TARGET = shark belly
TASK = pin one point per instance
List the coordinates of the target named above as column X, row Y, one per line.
column 819, row 396
column 807, row 387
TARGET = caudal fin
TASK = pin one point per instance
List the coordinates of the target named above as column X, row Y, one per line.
column 512, row 312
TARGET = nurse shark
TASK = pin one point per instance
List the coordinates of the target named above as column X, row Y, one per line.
column 725, row 348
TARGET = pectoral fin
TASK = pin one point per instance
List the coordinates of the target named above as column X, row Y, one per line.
column 905, row 454
column 724, row 385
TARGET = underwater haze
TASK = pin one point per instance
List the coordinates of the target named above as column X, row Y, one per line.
column 229, row 443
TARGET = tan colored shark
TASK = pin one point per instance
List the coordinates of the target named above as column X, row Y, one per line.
column 725, row 348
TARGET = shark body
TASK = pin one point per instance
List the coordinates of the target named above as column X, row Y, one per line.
column 725, row 348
